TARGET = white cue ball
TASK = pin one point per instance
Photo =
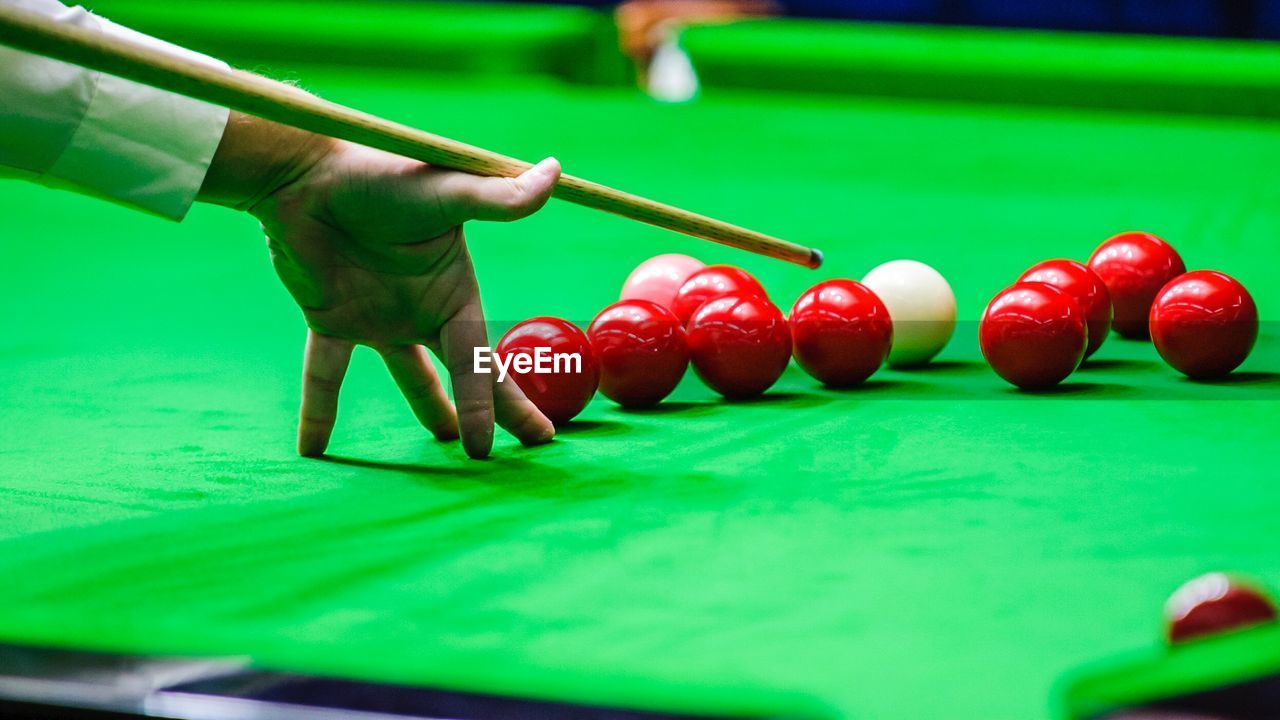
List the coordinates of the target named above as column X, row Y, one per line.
column 921, row 305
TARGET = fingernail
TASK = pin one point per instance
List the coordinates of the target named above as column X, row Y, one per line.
column 478, row 444
column 545, row 166
column 545, row 436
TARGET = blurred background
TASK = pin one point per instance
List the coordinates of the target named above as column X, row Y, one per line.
column 1218, row 18
column 867, row 47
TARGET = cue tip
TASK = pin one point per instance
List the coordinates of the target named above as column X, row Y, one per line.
column 815, row 258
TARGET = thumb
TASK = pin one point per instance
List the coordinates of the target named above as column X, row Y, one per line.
column 500, row 198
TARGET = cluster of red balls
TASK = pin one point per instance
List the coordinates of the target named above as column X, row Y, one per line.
column 1039, row 330
column 674, row 312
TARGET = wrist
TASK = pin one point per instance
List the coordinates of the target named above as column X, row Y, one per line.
column 255, row 158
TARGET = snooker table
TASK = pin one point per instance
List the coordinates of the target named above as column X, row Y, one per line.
column 931, row 544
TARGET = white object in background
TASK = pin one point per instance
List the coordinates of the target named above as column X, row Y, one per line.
column 671, row 76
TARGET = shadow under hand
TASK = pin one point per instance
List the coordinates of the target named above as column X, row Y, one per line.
column 503, row 470
column 415, row 468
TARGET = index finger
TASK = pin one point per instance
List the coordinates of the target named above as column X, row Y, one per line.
column 324, row 364
column 472, row 391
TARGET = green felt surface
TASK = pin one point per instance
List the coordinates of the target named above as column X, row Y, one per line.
column 932, row 544
column 569, row 43
column 1044, row 68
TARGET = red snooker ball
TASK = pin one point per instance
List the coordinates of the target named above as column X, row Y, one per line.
column 841, row 332
column 1215, row 603
column 1204, row 323
column 1033, row 335
column 642, row 352
column 658, row 278
column 1134, row 266
column 552, row 362
column 1085, row 287
column 739, row 344
column 712, row 282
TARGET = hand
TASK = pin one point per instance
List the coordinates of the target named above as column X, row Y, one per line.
column 370, row 245
column 643, row 25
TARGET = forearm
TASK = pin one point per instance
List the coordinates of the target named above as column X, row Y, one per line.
column 256, row 157
column 68, row 126
column 102, row 135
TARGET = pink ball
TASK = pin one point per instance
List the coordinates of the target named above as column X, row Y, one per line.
column 658, row 278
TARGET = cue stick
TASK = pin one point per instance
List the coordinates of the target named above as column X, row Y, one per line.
column 288, row 105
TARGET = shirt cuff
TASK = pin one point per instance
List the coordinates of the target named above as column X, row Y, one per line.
column 141, row 146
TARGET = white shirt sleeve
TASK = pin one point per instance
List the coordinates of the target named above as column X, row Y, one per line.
column 65, row 126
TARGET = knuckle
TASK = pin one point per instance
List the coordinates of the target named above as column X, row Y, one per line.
column 424, row 392
column 312, row 419
column 514, row 199
column 475, row 409
column 321, row 383
column 528, row 423
column 459, row 366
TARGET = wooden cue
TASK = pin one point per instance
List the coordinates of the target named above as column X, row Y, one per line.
column 288, row 105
